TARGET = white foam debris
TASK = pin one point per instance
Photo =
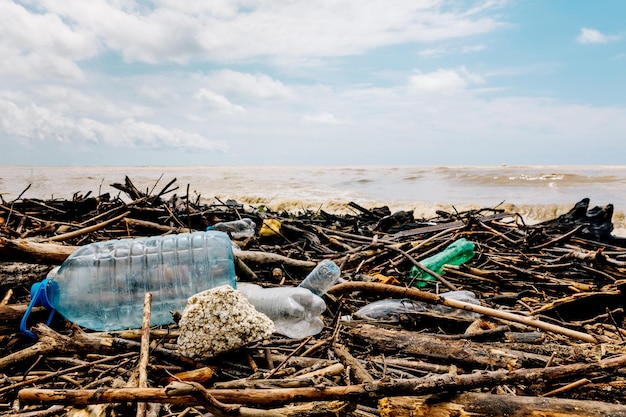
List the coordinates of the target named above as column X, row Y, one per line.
column 219, row 320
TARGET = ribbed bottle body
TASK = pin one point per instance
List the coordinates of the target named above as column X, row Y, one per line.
column 102, row 285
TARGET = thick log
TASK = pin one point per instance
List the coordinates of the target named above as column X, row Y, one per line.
column 461, row 352
column 491, row 405
column 15, row 275
column 53, row 253
column 34, row 252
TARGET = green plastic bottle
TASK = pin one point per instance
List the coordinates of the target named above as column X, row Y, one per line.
column 457, row 253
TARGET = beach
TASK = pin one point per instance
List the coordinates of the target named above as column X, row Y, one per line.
column 472, row 300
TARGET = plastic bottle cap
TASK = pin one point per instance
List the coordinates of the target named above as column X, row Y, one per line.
column 38, row 297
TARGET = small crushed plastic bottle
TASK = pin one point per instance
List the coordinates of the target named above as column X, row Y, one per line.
column 389, row 310
column 237, row 229
column 101, row 285
column 322, row 277
column 295, row 311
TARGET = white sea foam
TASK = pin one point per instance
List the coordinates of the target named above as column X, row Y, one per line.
column 536, row 192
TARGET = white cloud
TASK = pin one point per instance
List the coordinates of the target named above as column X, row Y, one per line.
column 35, row 44
column 275, row 30
column 323, row 118
column 588, row 35
column 34, row 65
column 473, row 48
column 44, row 32
column 442, row 81
column 141, row 134
column 256, row 85
column 31, row 123
column 217, row 102
column 432, row 52
column 440, row 51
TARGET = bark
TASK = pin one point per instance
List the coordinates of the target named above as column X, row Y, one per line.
column 490, row 405
column 464, row 353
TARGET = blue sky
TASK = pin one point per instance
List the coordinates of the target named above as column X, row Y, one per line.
column 342, row 82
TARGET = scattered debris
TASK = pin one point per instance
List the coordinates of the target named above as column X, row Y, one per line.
column 549, row 336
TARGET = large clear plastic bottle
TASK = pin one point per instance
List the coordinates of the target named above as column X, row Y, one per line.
column 295, row 311
column 322, row 277
column 101, row 286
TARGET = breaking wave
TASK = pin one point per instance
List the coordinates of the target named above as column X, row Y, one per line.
column 537, row 193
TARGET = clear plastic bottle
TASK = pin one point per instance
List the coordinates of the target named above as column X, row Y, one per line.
column 295, row 311
column 101, row 286
column 322, row 277
column 237, row 229
column 390, row 309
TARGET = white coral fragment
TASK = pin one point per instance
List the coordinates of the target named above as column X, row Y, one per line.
column 219, row 320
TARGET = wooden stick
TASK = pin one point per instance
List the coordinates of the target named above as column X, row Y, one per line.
column 144, row 353
column 574, row 385
column 173, row 394
column 156, row 226
column 177, row 394
column 52, row 375
column 6, row 298
column 413, row 364
column 272, row 258
column 415, row 294
column 89, row 229
column 51, row 411
column 358, row 371
column 334, row 369
column 268, row 383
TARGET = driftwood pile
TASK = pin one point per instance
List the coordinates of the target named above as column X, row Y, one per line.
column 549, row 340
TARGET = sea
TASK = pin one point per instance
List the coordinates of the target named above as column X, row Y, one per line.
column 537, row 193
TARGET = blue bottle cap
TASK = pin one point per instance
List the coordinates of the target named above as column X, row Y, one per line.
column 38, row 297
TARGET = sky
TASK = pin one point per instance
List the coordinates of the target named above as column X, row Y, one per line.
column 300, row 82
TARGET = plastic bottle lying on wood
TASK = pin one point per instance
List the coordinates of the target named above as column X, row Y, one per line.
column 101, row 286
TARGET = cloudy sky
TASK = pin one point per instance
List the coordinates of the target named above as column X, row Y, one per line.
column 352, row 82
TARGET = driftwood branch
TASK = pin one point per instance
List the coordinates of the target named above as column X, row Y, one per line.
column 415, row 294
column 280, row 396
column 89, row 229
column 491, row 405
